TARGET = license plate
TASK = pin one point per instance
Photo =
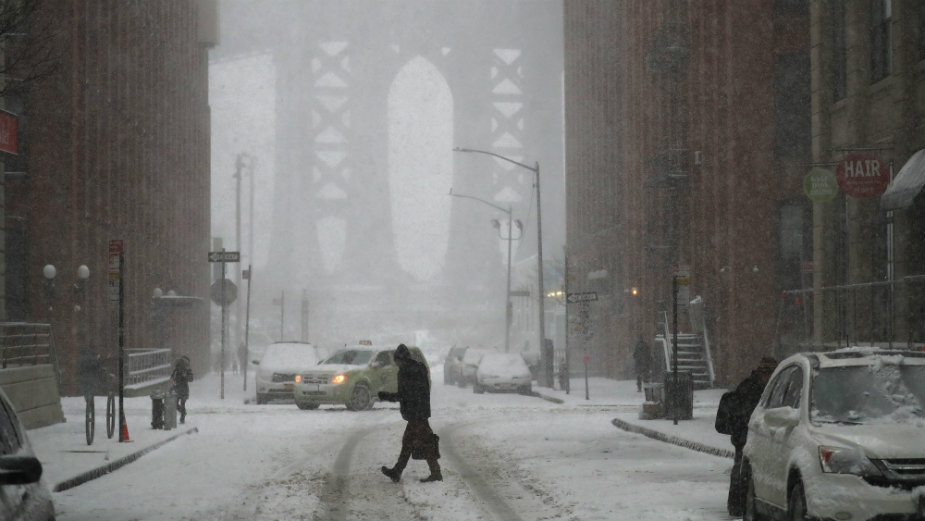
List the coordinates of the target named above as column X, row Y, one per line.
column 287, row 387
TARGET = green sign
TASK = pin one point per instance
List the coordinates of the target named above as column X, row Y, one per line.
column 820, row 185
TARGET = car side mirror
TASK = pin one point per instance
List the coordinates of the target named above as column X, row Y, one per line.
column 782, row 417
column 19, row 470
column 255, row 362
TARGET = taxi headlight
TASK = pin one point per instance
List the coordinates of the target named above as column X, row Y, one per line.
column 298, row 378
column 339, row 379
column 841, row 460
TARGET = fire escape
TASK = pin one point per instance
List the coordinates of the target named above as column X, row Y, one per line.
column 667, row 177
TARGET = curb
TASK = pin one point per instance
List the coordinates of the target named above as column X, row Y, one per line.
column 687, row 444
column 114, row 465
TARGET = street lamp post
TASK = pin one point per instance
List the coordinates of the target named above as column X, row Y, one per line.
column 507, row 294
column 539, row 238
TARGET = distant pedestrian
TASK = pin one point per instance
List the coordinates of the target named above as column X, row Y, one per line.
column 180, row 378
column 735, row 411
column 413, row 397
column 642, row 360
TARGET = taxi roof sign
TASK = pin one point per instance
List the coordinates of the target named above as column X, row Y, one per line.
column 366, row 342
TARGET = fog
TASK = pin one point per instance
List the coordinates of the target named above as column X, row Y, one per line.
column 333, row 128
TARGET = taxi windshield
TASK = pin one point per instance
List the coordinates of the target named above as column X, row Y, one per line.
column 350, row 357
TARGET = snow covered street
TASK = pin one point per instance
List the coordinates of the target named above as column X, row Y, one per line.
column 505, row 456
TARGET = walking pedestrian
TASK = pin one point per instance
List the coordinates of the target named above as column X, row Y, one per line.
column 180, row 378
column 413, row 397
column 736, row 407
column 642, row 359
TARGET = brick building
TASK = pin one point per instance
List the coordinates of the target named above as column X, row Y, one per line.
column 688, row 136
column 116, row 146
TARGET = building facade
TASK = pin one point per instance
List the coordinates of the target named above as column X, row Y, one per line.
column 688, row 136
column 116, row 148
column 868, row 70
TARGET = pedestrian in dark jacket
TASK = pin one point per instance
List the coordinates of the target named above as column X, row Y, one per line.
column 180, row 378
column 745, row 399
column 642, row 359
column 413, row 397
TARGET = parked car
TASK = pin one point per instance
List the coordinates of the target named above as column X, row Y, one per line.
column 24, row 495
column 471, row 360
column 503, row 372
column 352, row 376
column 453, row 365
column 838, row 435
column 281, row 365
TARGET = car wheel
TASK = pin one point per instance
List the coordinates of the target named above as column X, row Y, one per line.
column 796, row 503
column 361, row 399
column 527, row 390
column 477, row 389
column 307, row 406
column 261, row 399
column 750, row 513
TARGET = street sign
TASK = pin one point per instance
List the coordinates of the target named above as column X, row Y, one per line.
column 224, row 256
column 581, row 297
column 116, row 246
column 229, row 293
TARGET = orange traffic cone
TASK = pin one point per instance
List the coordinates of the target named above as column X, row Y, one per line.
column 123, row 435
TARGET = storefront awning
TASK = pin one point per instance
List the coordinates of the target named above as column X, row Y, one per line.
column 906, row 185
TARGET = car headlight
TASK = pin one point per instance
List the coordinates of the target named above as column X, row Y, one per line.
column 339, row 379
column 298, row 378
column 841, row 460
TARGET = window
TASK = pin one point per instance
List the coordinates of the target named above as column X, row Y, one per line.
column 881, row 41
column 792, row 106
column 9, row 437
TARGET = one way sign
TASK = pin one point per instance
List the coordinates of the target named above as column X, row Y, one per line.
column 581, row 297
column 224, row 256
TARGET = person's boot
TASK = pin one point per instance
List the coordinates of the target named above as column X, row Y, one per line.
column 394, row 475
column 436, row 476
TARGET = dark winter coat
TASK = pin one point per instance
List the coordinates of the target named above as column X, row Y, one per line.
column 747, row 395
column 181, row 377
column 413, row 393
column 641, row 356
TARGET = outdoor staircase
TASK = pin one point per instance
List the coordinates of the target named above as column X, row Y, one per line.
column 693, row 355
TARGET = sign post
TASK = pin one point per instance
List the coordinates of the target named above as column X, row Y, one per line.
column 225, row 295
column 117, row 294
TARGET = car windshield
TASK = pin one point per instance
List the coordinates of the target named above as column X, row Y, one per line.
column 350, row 357
column 502, row 364
column 290, row 355
column 879, row 393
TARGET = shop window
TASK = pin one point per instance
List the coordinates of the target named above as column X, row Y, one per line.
column 881, row 14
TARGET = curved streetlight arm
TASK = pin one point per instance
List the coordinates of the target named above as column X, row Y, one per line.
column 483, row 201
column 534, row 169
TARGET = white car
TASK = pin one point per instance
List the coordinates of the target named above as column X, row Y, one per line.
column 470, row 364
column 24, row 495
column 281, row 366
column 839, row 435
column 503, row 372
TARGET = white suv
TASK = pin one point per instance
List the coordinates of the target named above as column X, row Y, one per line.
column 839, row 435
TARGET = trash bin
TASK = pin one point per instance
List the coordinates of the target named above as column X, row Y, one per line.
column 679, row 395
column 157, row 410
column 170, row 411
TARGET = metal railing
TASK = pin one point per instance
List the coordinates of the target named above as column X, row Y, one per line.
column 26, row 344
column 146, row 367
column 888, row 314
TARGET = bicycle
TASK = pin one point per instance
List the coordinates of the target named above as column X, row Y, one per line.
column 90, row 411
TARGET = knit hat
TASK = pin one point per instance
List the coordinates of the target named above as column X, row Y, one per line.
column 402, row 352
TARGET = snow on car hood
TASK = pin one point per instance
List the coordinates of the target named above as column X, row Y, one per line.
column 878, row 440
